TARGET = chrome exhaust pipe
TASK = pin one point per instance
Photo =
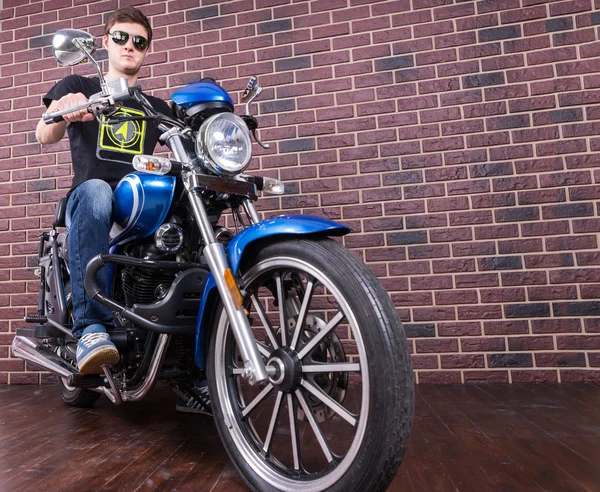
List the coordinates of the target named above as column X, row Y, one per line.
column 32, row 350
column 118, row 397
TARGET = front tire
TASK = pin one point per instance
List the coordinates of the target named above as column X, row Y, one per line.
column 337, row 415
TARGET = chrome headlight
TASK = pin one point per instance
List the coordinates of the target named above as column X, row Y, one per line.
column 223, row 144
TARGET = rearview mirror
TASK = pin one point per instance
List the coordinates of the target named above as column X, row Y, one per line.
column 71, row 46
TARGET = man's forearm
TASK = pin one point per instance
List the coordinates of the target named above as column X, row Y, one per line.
column 49, row 134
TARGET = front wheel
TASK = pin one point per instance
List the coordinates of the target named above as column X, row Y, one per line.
column 337, row 413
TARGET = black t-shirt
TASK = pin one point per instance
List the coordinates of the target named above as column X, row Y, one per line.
column 105, row 151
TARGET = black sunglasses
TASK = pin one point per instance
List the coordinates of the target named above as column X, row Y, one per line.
column 120, row 37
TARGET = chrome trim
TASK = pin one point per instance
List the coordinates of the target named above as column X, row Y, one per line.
column 276, row 370
column 60, row 327
column 159, row 235
column 253, row 89
column 253, row 362
column 241, row 440
column 195, row 197
column 32, row 350
column 173, row 138
column 141, row 392
column 251, row 211
column 217, row 262
column 223, row 235
column 208, row 160
column 111, row 382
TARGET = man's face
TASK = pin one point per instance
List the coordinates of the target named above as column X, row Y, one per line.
column 125, row 58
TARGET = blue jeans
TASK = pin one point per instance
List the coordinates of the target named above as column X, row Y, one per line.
column 88, row 220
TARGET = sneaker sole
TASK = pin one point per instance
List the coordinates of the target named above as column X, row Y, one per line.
column 93, row 362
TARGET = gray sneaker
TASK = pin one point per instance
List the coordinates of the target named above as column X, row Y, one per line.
column 193, row 398
column 94, row 350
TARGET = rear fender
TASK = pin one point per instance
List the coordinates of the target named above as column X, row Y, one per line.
column 283, row 227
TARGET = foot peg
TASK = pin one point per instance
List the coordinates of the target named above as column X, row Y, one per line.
column 40, row 320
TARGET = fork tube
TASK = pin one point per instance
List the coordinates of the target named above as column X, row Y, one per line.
column 217, row 261
column 251, row 211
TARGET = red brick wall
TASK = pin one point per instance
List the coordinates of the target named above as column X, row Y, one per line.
column 458, row 139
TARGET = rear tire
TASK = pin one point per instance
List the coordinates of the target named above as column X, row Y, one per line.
column 383, row 421
column 77, row 397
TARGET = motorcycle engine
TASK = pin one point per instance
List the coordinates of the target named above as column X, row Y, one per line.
column 147, row 285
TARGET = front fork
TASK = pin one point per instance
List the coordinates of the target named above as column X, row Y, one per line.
column 254, row 367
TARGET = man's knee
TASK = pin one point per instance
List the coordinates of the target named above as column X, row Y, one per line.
column 93, row 198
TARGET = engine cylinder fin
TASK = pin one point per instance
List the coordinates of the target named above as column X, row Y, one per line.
column 142, row 286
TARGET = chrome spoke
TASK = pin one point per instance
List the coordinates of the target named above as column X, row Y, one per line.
column 308, row 292
column 263, row 349
column 322, row 334
column 333, row 367
column 261, row 396
column 274, row 416
column 330, row 402
column 281, row 301
column 315, row 427
column 314, row 323
column 293, row 432
column 265, row 321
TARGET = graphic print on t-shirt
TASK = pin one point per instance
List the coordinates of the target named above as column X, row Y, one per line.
column 124, row 136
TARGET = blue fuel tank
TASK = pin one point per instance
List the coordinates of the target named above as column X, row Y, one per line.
column 141, row 202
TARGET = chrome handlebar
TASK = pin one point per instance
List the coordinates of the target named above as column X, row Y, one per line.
column 112, row 91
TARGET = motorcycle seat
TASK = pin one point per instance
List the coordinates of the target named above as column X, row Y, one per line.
column 60, row 213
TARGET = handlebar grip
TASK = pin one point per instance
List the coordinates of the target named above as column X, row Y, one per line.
column 49, row 119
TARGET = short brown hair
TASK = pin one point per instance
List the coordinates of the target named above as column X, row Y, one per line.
column 128, row 14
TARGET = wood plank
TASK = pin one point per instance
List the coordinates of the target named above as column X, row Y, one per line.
column 456, row 461
column 583, row 395
column 498, row 465
column 505, row 428
column 488, row 437
column 560, row 422
column 82, row 449
column 137, row 471
column 230, row 481
column 172, row 470
column 533, row 438
column 423, row 467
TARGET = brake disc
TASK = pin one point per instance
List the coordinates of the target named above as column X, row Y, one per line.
column 331, row 351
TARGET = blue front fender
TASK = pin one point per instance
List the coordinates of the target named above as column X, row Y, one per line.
column 283, row 226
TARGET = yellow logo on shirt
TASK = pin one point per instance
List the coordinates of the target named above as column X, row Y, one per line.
column 124, row 136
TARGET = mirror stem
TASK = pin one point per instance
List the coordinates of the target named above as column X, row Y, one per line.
column 254, row 94
column 103, row 85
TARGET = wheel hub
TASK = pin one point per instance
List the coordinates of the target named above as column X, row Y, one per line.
column 286, row 368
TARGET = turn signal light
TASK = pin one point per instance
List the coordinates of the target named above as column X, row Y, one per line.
column 151, row 164
column 234, row 291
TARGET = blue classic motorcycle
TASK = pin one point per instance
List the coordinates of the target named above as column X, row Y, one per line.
column 306, row 358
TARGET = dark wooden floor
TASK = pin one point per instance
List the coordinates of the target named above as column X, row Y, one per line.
column 480, row 438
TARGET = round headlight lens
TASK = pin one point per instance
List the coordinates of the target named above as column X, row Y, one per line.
column 224, row 143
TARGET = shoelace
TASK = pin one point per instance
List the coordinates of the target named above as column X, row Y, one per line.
column 93, row 338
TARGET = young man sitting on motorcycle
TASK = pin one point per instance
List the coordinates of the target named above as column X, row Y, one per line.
column 101, row 156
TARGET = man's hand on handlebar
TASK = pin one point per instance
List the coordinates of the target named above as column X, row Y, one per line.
column 70, row 101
